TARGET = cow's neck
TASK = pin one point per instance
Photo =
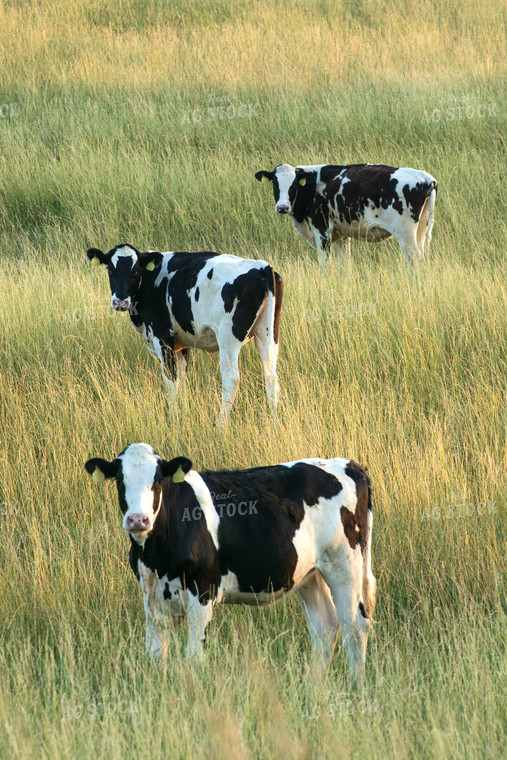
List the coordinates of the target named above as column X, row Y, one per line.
column 305, row 198
column 150, row 553
column 143, row 297
column 134, row 312
column 177, row 528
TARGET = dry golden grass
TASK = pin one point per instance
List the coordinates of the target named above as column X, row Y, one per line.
column 403, row 371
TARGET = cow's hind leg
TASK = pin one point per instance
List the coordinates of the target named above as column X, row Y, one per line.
column 407, row 241
column 229, row 368
column 344, row 576
column 422, row 226
column 268, row 352
column 319, row 611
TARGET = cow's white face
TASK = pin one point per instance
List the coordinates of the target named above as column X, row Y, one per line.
column 284, row 185
column 140, row 489
column 124, row 267
column 124, row 277
column 139, row 473
column 287, row 182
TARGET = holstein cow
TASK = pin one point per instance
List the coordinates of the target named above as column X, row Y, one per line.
column 331, row 204
column 301, row 526
column 203, row 300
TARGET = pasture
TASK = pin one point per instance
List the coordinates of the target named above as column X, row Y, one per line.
column 145, row 122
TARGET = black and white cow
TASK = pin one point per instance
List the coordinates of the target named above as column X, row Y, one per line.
column 248, row 537
column 201, row 300
column 331, row 204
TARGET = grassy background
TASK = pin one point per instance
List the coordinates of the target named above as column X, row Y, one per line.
column 107, row 137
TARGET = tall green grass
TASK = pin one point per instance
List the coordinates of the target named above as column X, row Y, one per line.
column 401, row 370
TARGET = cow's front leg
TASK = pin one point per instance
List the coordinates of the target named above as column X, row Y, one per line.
column 165, row 355
column 155, row 640
column 198, row 616
column 156, row 645
column 323, row 246
column 163, row 350
column 146, row 334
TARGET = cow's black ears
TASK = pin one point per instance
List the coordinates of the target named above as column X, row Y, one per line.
column 177, row 468
column 97, row 256
column 265, row 175
column 149, row 260
column 100, row 469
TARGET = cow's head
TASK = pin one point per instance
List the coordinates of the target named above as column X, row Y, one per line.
column 287, row 181
column 124, row 265
column 139, row 473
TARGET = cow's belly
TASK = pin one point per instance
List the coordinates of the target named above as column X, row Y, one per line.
column 231, row 594
column 205, row 339
column 361, row 230
column 254, row 600
column 365, row 229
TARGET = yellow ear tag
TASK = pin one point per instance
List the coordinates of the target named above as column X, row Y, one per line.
column 302, row 181
column 150, row 266
column 179, row 475
column 95, row 261
column 98, row 476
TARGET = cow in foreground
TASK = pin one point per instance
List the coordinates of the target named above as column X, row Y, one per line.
column 331, row 204
column 211, row 301
column 248, row 537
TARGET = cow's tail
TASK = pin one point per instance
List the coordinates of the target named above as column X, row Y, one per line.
column 431, row 214
column 274, row 306
column 369, row 582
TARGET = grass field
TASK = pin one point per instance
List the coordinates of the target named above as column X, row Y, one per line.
column 145, row 122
